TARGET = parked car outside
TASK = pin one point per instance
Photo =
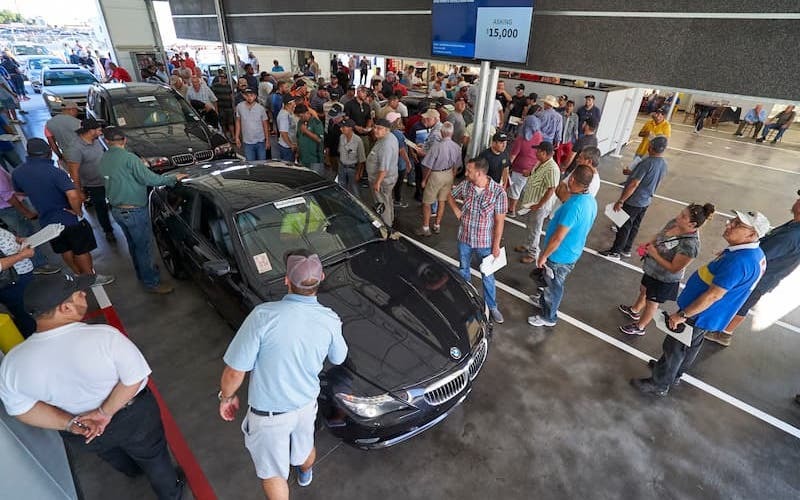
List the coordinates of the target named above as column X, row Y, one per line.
column 162, row 128
column 65, row 81
column 417, row 333
column 33, row 69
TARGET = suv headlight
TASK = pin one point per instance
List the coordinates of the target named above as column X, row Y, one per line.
column 53, row 98
column 222, row 149
column 371, row 406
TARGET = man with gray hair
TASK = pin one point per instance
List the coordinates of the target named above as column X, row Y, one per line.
column 636, row 196
column 283, row 344
column 439, row 166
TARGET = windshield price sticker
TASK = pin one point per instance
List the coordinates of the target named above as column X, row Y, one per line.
column 290, row 202
column 502, row 33
column 147, row 98
column 262, row 262
column 121, row 121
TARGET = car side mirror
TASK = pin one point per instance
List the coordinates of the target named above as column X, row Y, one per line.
column 216, row 268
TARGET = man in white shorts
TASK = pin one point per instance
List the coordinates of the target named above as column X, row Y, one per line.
column 283, row 344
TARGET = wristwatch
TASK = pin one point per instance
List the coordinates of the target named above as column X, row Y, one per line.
column 680, row 313
column 223, row 398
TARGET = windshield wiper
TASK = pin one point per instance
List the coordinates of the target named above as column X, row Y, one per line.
column 349, row 252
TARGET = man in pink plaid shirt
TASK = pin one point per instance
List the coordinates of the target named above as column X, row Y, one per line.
column 482, row 216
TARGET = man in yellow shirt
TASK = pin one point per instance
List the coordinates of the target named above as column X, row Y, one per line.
column 656, row 125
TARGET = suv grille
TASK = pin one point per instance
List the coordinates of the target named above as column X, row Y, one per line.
column 185, row 159
column 449, row 387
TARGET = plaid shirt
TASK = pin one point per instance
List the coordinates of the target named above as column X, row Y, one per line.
column 478, row 211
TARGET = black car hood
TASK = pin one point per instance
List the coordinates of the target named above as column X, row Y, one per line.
column 168, row 140
column 403, row 312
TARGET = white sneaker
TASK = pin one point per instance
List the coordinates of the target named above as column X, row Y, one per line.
column 103, row 279
column 540, row 321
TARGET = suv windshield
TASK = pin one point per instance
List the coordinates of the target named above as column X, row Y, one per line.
column 59, row 77
column 326, row 222
column 152, row 111
column 40, row 63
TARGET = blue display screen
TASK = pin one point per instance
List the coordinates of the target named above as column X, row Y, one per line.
column 495, row 30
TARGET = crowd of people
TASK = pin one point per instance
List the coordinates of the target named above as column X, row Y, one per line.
column 377, row 148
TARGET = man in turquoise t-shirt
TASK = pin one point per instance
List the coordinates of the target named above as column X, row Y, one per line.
column 711, row 298
column 564, row 241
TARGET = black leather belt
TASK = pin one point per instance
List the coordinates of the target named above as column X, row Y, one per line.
column 136, row 397
column 443, row 170
column 266, row 413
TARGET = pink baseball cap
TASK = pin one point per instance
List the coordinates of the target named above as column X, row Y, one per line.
column 301, row 269
column 393, row 116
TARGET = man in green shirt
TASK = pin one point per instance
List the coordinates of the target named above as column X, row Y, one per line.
column 126, row 179
column 309, row 139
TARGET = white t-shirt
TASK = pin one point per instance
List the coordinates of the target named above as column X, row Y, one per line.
column 284, row 121
column 73, row 367
column 435, row 94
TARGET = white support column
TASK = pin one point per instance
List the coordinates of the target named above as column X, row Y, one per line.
column 131, row 29
column 478, row 110
column 489, row 110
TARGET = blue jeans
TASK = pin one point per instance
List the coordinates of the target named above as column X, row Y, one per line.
column 135, row 224
column 772, row 126
column 465, row 253
column 256, row 151
column 22, row 227
column 285, row 154
column 554, row 291
column 347, row 178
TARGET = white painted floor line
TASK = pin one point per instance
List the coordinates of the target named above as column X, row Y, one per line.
column 673, row 200
column 754, row 144
column 709, row 389
column 731, row 160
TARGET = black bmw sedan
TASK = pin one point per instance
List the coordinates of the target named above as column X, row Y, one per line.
column 417, row 333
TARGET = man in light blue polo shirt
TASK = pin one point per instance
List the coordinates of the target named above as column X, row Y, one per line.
column 284, row 345
column 564, row 241
column 712, row 296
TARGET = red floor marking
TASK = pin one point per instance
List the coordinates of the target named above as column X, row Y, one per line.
column 198, row 482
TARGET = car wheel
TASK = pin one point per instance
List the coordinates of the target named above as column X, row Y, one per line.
column 169, row 257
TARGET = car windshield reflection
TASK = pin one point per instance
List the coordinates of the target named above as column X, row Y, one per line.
column 153, row 111
column 328, row 222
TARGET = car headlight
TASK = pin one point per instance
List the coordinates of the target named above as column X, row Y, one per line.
column 222, row 149
column 371, row 406
column 157, row 161
column 53, row 98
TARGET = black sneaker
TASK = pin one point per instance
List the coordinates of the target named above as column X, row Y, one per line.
column 646, row 386
column 632, row 329
column 627, row 311
column 652, row 365
column 608, row 254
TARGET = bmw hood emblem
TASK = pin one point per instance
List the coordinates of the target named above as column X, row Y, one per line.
column 455, row 353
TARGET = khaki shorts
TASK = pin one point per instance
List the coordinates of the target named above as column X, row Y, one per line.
column 438, row 187
column 276, row 442
column 516, row 184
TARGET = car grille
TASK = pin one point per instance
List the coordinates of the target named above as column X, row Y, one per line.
column 185, row 159
column 203, row 155
column 478, row 357
column 446, row 389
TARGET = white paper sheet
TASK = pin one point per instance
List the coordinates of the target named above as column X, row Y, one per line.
column 618, row 218
column 684, row 338
column 46, row 234
column 9, row 137
column 489, row 264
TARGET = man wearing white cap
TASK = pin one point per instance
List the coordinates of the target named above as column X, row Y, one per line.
column 284, row 345
column 710, row 299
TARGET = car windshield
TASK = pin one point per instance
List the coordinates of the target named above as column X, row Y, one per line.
column 30, row 50
column 153, row 111
column 60, row 77
column 40, row 63
column 327, row 222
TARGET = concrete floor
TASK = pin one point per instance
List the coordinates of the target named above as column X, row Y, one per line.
column 552, row 414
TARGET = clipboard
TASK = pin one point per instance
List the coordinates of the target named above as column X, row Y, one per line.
column 46, row 234
column 618, row 218
column 489, row 264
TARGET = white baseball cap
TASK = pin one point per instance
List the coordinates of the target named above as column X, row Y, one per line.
column 756, row 220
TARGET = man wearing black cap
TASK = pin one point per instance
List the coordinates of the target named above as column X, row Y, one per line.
column 57, row 201
column 589, row 110
column 94, row 388
column 517, row 108
column 287, row 129
column 496, row 155
column 83, row 164
column 283, row 345
column 252, row 127
column 351, row 157
column 126, row 180
column 381, row 168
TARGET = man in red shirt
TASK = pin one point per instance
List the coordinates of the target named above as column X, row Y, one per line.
column 189, row 61
column 118, row 74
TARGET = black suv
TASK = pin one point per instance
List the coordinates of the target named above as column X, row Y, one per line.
column 161, row 126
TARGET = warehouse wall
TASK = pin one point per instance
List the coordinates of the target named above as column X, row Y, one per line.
column 743, row 47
